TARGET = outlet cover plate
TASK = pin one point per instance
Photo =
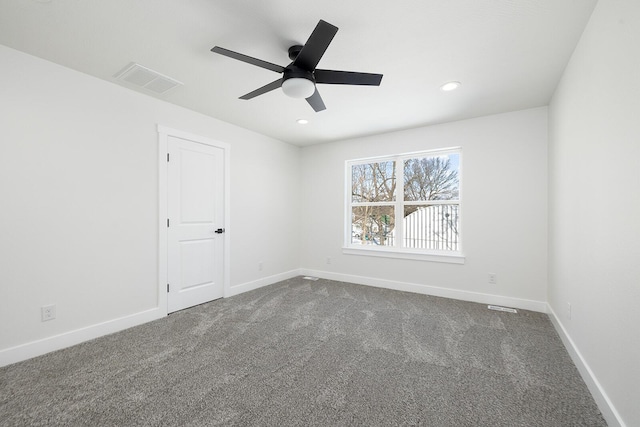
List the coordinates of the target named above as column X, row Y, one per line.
column 48, row 312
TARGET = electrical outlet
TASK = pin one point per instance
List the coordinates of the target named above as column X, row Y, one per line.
column 328, row 260
column 569, row 310
column 493, row 278
column 48, row 312
column 260, row 265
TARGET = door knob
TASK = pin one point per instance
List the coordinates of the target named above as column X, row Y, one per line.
column 219, row 231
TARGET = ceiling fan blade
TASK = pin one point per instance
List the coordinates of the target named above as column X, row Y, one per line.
column 347, row 78
column 316, row 102
column 264, row 89
column 248, row 59
column 315, row 47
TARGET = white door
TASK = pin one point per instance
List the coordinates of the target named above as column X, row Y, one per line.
column 195, row 223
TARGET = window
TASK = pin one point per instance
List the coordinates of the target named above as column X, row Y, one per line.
column 405, row 204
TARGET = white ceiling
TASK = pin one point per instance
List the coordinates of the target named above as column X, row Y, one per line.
column 508, row 54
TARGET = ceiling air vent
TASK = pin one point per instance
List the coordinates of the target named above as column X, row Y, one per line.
column 144, row 77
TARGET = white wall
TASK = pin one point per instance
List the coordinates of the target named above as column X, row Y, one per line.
column 504, row 186
column 79, row 202
column 594, row 206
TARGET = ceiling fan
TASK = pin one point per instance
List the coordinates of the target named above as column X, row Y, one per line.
column 300, row 77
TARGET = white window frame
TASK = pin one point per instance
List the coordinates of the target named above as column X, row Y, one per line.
column 349, row 248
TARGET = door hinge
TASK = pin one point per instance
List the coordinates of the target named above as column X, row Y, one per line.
column 167, row 157
column 167, row 222
column 167, row 288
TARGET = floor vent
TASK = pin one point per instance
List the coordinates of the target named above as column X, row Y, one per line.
column 144, row 77
column 310, row 278
column 499, row 308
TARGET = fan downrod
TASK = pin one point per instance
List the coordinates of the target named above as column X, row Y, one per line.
column 294, row 51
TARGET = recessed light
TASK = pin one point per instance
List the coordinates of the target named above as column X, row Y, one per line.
column 450, row 86
column 302, row 121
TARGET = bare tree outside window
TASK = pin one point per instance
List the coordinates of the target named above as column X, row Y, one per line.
column 430, row 178
column 373, row 184
column 431, row 226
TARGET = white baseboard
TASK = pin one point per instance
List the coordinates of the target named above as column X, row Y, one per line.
column 524, row 304
column 57, row 342
column 265, row 281
column 611, row 416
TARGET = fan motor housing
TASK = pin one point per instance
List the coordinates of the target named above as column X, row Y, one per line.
column 292, row 72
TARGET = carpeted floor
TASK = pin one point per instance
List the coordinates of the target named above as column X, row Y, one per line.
column 308, row 353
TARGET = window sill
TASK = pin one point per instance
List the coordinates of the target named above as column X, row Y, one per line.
column 450, row 258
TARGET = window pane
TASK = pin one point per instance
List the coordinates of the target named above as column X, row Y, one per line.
column 431, row 227
column 372, row 225
column 432, row 178
column 373, row 182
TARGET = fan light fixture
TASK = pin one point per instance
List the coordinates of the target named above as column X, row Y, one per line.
column 297, row 87
column 300, row 77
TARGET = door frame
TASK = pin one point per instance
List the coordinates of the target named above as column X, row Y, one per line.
column 163, row 208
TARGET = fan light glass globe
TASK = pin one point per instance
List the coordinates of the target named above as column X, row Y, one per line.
column 298, row 87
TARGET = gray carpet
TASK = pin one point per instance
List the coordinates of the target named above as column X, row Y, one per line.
column 307, row 353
